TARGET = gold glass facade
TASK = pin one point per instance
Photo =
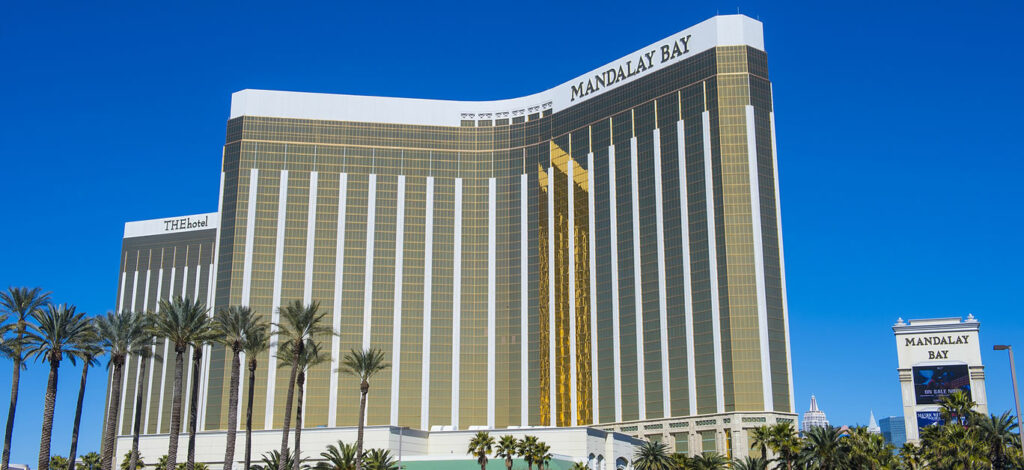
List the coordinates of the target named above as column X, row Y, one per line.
column 645, row 291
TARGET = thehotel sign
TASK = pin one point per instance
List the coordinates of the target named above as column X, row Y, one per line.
column 186, row 223
column 641, row 63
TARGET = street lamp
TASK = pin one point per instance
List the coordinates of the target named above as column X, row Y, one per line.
column 1016, row 397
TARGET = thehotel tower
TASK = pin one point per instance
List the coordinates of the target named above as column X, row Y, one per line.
column 605, row 253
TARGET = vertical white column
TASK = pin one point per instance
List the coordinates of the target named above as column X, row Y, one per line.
column 716, row 321
column 371, row 219
column 492, row 240
column 457, row 303
column 573, row 386
column 684, row 226
column 759, row 282
column 638, row 308
column 121, row 293
column 396, row 351
column 163, row 367
column 339, row 272
column 666, row 390
column 151, row 360
column 149, row 392
column 428, row 276
column 250, row 235
column 282, row 206
column 428, row 273
column 524, row 301
column 211, row 294
column 782, row 262
column 307, row 285
column 616, row 339
column 592, row 258
column 552, row 396
column 135, row 285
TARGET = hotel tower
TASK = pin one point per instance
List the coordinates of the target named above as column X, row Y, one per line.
column 606, row 254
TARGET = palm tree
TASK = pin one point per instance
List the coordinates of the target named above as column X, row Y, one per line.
column 20, row 302
column 120, row 334
column 363, row 364
column 299, row 323
column 92, row 461
column 958, row 407
column 997, row 432
column 380, row 459
column 86, row 350
column 710, row 461
column 143, row 353
column 480, row 447
column 750, row 463
column 952, row 446
column 57, row 330
column 911, row 457
column 233, row 326
column 652, row 456
column 338, row 457
column 273, row 460
column 507, row 448
column 759, row 439
column 542, row 456
column 310, row 357
column 580, row 466
column 823, row 449
column 58, row 462
column 127, row 461
column 527, row 449
column 785, row 443
column 257, row 340
column 183, row 322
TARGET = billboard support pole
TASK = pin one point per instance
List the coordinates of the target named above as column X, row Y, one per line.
column 1016, row 396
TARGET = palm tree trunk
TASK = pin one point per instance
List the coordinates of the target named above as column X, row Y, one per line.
column 175, row 429
column 112, row 411
column 16, row 377
column 364, row 387
column 197, row 354
column 248, row 414
column 229, row 448
column 51, row 397
column 281, row 464
column 72, row 455
column 301, row 382
column 137, row 425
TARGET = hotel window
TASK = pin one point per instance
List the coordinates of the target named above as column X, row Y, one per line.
column 682, row 443
column 707, row 441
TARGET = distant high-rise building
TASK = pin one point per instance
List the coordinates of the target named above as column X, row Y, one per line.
column 872, row 425
column 894, row 430
column 813, row 417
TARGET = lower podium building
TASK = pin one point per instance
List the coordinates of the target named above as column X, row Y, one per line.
column 602, row 260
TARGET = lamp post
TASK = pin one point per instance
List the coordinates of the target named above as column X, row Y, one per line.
column 1016, row 397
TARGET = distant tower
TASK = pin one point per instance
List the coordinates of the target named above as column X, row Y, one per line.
column 873, row 426
column 814, row 417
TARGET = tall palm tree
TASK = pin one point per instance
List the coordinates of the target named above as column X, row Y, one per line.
column 183, row 322
column 823, row 449
column 652, row 456
column 911, row 456
column 997, row 432
column 310, row 357
column 750, row 463
column 120, row 334
column 785, row 443
column 507, row 448
column 143, row 353
column 19, row 302
column 480, row 447
column 338, row 457
column 363, row 364
column 527, row 449
column 298, row 323
column 233, row 326
column 759, row 439
column 257, row 340
column 57, row 330
column 86, row 350
column 958, row 407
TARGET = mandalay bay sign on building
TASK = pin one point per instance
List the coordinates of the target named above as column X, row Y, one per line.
column 606, row 253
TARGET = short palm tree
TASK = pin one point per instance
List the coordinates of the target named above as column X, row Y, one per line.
column 652, row 456
column 58, row 329
column 184, row 323
column 338, row 457
column 120, row 334
column 823, row 448
column 233, row 326
column 709, row 461
column 750, row 463
column 507, row 448
column 256, row 343
column 86, row 350
column 958, row 407
column 785, row 443
column 143, row 354
column 298, row 323
column 380, row 459
column 91, row 461
column 20, row 302
column 542, row 456
column 911, row 457
column 480, row 447
column 310, row 357
column 58, row 462
column 364, row 365
column 997, row 432
column 759, row 439
column 273, row 460
column 527, row 449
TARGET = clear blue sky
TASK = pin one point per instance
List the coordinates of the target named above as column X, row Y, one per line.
column 898, row 135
